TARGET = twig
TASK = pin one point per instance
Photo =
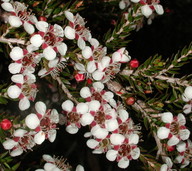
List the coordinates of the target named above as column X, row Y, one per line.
column 66, row 91
column 12, row 40
column 178, row 60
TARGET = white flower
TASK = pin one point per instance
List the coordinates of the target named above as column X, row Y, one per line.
column 43, row 122
column 174, row 129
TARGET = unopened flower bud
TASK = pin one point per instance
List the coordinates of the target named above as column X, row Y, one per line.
column 5, row 124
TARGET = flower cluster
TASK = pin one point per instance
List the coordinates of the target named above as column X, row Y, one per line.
column 42, row 126
column 177, row 135
column 147, row 6
column 112, row 131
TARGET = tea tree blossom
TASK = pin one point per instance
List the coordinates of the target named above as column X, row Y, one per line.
column 24, row 62
column 21, row 141
column 25, row 89
column 19, row 16
column 44, row 123
column 174, row 129
column 50, row 38
column 74, row 114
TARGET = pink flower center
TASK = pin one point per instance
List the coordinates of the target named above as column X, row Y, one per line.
column 174, row 128
column 99, row 118
column 73, row 117
column 50, row 38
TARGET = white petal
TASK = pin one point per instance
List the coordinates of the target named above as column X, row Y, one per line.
column 80, row 67
column 14, row 21
column 146, row 10
column 7, row 7
column 40, row 107
column 135, row 153
column 125, row 58
column 67, row 105
column 39, row 137
column 49, row 167
column 108, row 95
column 85, row 92
column 91, row 67
column 13, row 91
column 49, row 53
column 111, row 124
column 82, row 108
column 79, row 168
column 122, row 4
column 105, row 61
column 19, row 132
column 62, row 48
column 98, row 75
column 69, row 16
column 24, row 104
column 188, row 92
column 32, row 121
column 133, row 139
column 42, row 72
column 178, row 159
column 181, row 119
column 94, row 105
column 185, row 98
column 36, row 40
column 163, row 132
column 87, row 52
column 42, row 26
column 15, row 68
column 117, row 139
column 181, row 146
column 18, row 78
column 52, row 135
column 98, row 86
column 135, row 1
column 81, row 43
column 164, row 167
column 86, row 119
column 111, row 155
column 69, row 33
column 53, row 63
column 91, row 143
column 97, row 151
column 16, row 152
column 29, row 28
column 159, row 9
column 184, row 134
column 58, row 30
column 116, row 57
column 48, row 158
column 54, row 117
column 99, row 132
column 72, row 129
column 9, row 144
column 123, row 114
column 123, row 163
column 16, row 53
column 173, row 141
column 167, row 117
column 94, row 42
column 31, row 48
column 187, row 109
